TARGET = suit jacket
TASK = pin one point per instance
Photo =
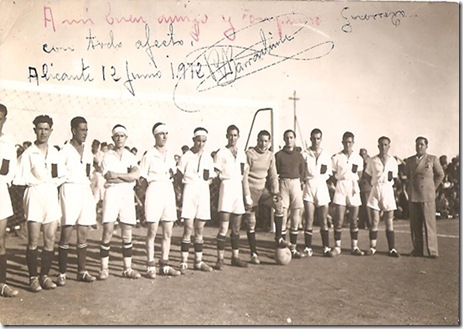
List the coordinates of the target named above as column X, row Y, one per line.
column 424, row 175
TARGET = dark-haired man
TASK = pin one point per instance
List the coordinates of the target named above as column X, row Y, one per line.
column 425, row 174
column 230, row 165
column 291, row 173
column 262, row 173
column 381, row 171
column 316, row 195
column 39, row 170
column 76, row 200
column 347, row 169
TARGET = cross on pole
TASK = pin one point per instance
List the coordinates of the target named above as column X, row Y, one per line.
column 294, row 99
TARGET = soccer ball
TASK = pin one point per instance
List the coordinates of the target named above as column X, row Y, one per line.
column 282, row 256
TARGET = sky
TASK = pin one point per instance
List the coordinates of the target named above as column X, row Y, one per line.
column 373, row 68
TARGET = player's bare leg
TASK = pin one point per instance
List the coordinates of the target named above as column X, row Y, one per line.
column 165, row 269
column 150, row 236
column 198, row 245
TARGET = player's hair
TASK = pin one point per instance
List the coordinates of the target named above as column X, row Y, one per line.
column 347, row 135
column 423, row 138
column 200, row 128
column 384, row 137
column 157, row 124
column 289, row 131
column 232, row 127
column 316, row 131
column 75, row 122
column 3, row 109
column 104, row 144
column 43, row 119
column 96, row 142
column 263, row 133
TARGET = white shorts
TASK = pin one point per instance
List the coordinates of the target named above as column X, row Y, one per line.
column 316, row 192
column 160, row 202
column 196, row 201
column 41, row 203
column 119, row 202
column 347, row 193
column 231, row 197
column 77, row 204
column 6, row 209
column 291, row 193
column 382, row 198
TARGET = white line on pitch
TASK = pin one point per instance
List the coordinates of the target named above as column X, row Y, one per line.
column 439, row 235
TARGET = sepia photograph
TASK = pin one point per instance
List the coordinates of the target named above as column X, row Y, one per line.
column 244, row 162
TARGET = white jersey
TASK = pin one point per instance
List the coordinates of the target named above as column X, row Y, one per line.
column 195, row 167
column 112, row 162
column 77, row 168
column 347, row 168
column 36, row 168
column 156, row 167
column 318, row 168
column 382, row 173
column 230, row 168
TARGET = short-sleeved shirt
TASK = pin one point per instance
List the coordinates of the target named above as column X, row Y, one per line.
column 112, row 162
column 77, row 168
column 7, row 159
column 318, row 168
column 229, row 166
column 196, row 167
column 346, row 168
column 382, row 173
column 157, row 167
column 36, row 167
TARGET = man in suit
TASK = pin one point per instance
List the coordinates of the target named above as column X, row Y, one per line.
column 425, row 175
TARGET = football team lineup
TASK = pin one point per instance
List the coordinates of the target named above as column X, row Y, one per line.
column 338, row 176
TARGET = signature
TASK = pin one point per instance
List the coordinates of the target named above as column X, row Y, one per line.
column 393, row 16
column 223, row 64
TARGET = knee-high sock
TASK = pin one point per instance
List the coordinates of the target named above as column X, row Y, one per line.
column 47, row 259
column 252, row 241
